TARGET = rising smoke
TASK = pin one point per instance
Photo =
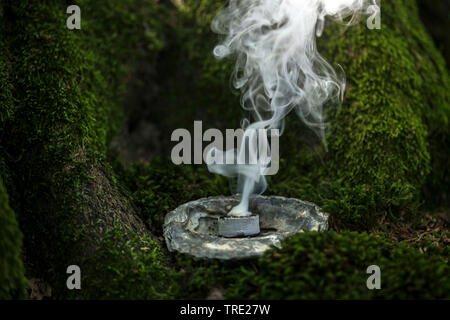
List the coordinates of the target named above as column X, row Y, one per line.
column 278, row 69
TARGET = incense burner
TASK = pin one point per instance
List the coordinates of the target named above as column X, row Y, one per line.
column 195, row 227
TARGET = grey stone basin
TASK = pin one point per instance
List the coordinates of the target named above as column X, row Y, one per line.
column 192, row 228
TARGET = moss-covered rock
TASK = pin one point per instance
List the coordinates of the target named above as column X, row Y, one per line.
column 333, row 266
column 13, row 284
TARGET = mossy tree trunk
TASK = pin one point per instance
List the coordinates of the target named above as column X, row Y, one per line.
column 63, row 91
column 392, row 128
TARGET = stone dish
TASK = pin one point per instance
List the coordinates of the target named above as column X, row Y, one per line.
column 192, row 228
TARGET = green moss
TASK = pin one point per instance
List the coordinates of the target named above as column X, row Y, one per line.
column 13, row 284
column 65, row 91
column 333, row 266
column 327, row 265
column 396, row 103
column 199, row 276
column 135, row 269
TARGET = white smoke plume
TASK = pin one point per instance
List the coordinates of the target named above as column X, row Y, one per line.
column 278, row 69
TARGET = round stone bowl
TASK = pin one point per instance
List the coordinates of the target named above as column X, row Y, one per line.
column 192, row 228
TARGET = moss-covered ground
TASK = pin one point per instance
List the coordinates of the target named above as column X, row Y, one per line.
column 65, row 95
